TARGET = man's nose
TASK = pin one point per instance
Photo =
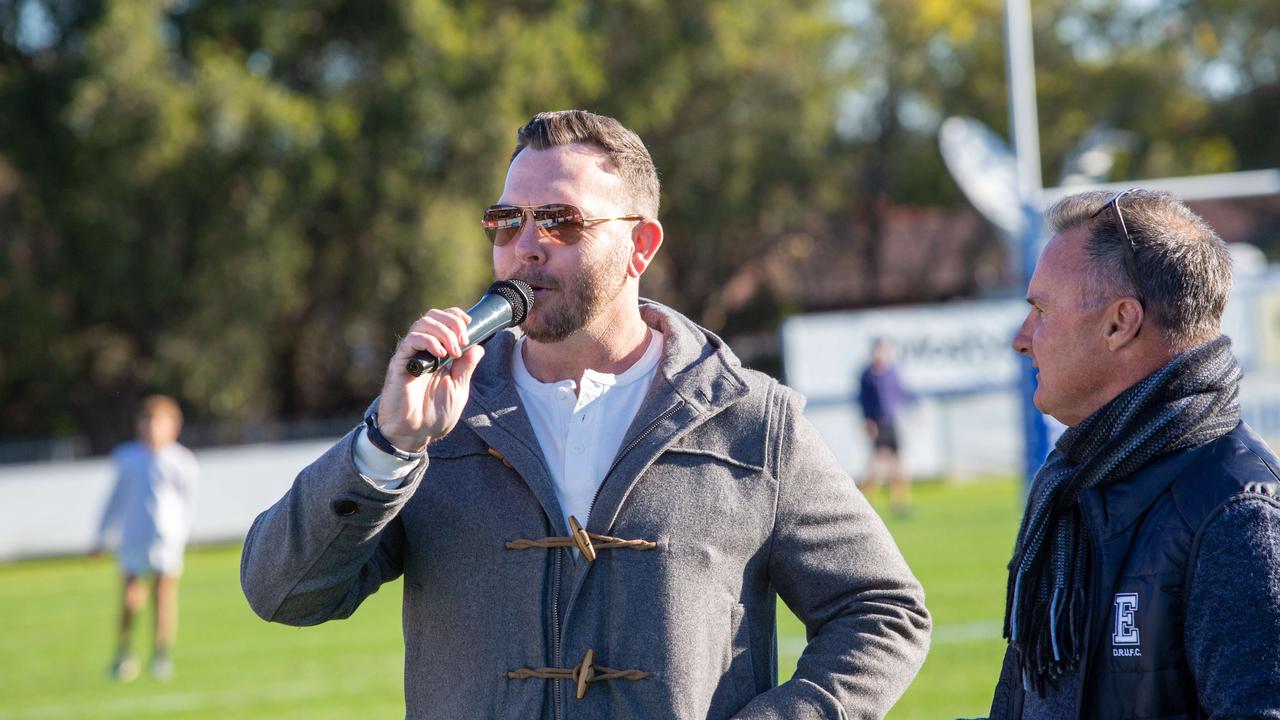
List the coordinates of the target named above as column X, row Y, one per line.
column 529, row 242
column 1022, row 340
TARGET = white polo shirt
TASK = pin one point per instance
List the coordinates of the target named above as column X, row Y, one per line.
column 581, row 433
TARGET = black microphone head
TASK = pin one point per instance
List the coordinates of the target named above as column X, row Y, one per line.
column 518, row 294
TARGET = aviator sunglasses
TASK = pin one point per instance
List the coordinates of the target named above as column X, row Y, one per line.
column 562, row 222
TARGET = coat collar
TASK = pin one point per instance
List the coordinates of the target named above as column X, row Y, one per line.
column 697, row 377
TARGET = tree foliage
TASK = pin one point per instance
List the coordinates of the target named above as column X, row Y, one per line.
column 241, row 203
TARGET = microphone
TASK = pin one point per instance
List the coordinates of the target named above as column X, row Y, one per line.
column 504, row 304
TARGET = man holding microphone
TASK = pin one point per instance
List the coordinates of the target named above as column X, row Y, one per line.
column 594, row 516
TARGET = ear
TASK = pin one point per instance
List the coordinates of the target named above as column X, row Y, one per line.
column 646, row 238
column 1123, row 318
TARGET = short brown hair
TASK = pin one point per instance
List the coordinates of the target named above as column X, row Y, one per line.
column 160, row 405
column 622, row 146
column 1183, row 266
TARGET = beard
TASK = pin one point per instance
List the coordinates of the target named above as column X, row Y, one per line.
column 578, row 298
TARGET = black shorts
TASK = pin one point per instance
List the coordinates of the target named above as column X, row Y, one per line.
column 886, row 436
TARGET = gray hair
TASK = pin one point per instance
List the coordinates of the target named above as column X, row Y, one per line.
column 622, row 146
column 1183, row 266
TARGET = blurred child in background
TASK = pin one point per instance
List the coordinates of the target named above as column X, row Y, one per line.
column 151, row 505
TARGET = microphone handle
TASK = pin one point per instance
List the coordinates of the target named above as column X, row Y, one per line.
column 421, row 363
column 488, row 316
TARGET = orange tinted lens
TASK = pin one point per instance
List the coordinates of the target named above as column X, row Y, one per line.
column 502, row 222
column 562, row 222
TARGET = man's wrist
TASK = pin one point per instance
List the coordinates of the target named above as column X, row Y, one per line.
column 385, row 471
column 381, row 442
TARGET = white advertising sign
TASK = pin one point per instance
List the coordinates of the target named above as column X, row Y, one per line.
column 957, row 347
column 959, row 350
column 958, row 359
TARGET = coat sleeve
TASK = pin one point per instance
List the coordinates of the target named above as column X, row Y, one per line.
column 1233, row 611
column 835, row 565
column 325, row 546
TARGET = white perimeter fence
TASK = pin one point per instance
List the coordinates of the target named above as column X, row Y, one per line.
column 956, row 357
column 53, row 508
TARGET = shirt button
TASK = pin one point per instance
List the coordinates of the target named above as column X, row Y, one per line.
column 578, row 449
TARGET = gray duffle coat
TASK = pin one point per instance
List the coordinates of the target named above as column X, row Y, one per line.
column 738, row 498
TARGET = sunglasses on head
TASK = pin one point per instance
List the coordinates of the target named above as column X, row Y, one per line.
column 1130, row 261
column 562, row 222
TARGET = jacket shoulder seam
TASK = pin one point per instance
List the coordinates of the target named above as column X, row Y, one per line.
column 1175, row 493
column 1174, row 486
column 779, row 416
column 1262, row 462
column 774, row 419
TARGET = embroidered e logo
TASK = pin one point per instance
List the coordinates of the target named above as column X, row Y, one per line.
column 1126, row 632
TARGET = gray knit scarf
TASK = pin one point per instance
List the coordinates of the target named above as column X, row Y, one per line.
column 1190, row 401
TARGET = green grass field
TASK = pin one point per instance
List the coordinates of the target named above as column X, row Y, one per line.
column 57, row 620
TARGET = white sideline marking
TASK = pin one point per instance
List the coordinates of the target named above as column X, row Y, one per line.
column 943, row 634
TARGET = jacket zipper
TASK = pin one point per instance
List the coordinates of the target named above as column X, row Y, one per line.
column 555, row 602
column 555, row 630
column 631, row 446
column 1087, row 637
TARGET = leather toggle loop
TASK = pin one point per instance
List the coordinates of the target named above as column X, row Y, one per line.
column 581, row 539
column 588, row 543
column 585, row 672
column 582, row 674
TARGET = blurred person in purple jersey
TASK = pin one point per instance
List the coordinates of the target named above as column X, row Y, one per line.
column 150, row 508
column 881, row 395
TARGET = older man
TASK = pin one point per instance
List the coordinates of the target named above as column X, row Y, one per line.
column 1145, row 582
column 594, row 517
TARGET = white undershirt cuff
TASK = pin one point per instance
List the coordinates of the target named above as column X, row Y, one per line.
column 382, row 469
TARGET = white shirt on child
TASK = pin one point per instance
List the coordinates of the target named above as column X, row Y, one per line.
column 151, row 504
